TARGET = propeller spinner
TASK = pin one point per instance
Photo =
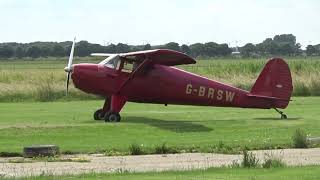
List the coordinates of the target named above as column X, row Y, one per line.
column 69, row 68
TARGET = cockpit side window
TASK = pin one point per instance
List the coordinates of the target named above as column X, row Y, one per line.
column 112, row 62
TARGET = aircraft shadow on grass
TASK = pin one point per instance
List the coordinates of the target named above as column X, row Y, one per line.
column 277, row 119
column 175, row 126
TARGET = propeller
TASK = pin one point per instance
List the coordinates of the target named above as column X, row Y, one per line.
column 69, row 68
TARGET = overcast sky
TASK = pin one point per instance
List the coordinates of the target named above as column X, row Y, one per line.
column 159, row 21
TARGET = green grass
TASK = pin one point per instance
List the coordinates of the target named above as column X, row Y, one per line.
column 44, row 79
column 70, row 125
column 292, row 173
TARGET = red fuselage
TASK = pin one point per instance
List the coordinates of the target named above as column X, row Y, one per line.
column 163, row 85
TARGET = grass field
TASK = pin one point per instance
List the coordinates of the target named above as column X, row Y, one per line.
column 68, row 122
column 45, row 80
column 292, row 173
column 71, row 126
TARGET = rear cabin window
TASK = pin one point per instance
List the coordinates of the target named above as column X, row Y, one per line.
column 129, row 66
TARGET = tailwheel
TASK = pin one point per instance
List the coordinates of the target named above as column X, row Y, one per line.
column 112, row 117
column 283, row 116
column 99, row 115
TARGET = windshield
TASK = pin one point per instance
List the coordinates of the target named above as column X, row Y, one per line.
column 112, row 62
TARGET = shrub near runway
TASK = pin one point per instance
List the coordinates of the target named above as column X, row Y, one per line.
column 44, row 80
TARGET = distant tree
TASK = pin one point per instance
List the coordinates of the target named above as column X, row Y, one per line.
column 286, row 49
column 173, row 46
column 317, row 49
column 211, row 49
column 33, row 52
column 264, row 48
column 96, row 48
column 311, row 50
column 273, row 48
column 82, row 49
column 197, row 49
column 286, row 44
column 297, row 49
column 267, row 41
column 147, row 47
column 185, row 49
column 45, row 51
column 285, row 38
column 248, row 50
column 6, row 51
column 224, row 50
column 122, row 48
column 268, row 47
column 20, row 52
column 58, row 51
column 112, row 48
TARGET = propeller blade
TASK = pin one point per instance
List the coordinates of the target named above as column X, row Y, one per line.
column 71, row 55
column 68, row 69
column 68, row 79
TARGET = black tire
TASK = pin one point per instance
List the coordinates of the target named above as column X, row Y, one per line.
column 112, row 117
column 283, row 116
column 98, row 115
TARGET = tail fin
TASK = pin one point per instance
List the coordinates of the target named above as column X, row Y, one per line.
column 274, row 82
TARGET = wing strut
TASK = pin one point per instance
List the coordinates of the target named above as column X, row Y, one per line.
column 138, row 70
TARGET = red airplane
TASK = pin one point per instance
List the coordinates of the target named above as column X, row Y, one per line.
column 149, row 77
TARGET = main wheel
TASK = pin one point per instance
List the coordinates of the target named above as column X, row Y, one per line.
column 98, row 115
column 112, row 117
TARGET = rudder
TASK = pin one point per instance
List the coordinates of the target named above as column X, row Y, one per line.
column 274, row 81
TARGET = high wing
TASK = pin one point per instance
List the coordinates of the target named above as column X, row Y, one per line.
column 158, row 56
column 102, row 54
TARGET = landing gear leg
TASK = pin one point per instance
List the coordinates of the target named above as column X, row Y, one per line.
column 100, row 113
column 117, row 103
column 283, row 116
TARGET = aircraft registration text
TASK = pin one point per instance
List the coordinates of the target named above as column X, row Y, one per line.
column 210, row 93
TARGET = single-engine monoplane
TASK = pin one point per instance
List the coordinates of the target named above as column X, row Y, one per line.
column 149, row 77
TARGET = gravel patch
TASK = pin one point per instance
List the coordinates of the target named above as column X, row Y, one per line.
column 99, row 163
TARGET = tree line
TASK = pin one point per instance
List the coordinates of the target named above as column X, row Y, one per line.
column 284, row 44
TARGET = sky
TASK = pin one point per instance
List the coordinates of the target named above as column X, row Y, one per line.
column 235, row 22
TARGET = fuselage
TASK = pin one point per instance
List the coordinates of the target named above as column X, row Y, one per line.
column 161, row 85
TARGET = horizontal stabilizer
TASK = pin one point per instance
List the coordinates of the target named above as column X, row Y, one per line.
column 267, row 97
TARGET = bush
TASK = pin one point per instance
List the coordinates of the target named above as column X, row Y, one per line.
column 225, row 149
column 10, row 154
column 300, row 139
column 113, row 152
column 234, row 164
column 273, row 163
column 45, row 91
column 301, row 89
column 249, row 159
column 135, row 149
column 162, row 149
